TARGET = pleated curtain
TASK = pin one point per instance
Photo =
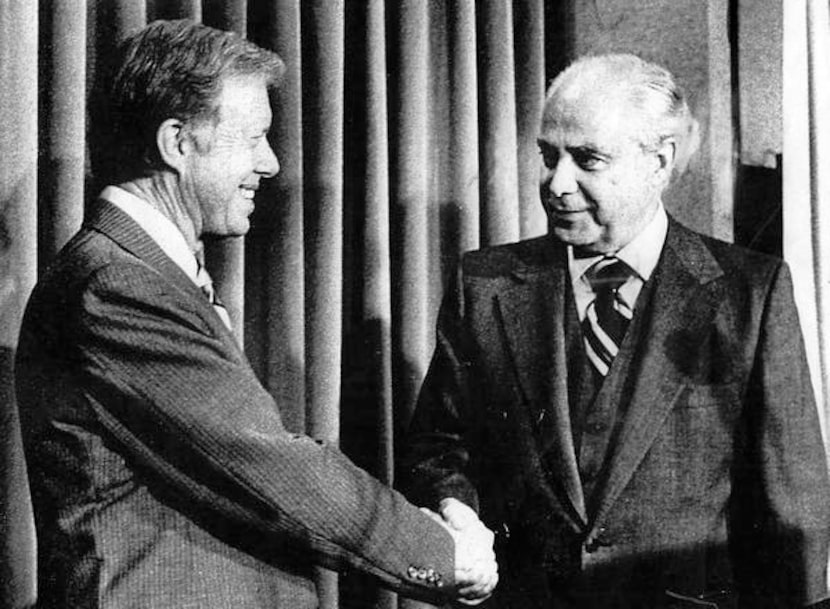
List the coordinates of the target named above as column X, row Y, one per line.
column 406, row 134
column 806, row 180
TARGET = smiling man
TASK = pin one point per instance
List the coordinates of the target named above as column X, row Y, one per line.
column 161, row 474
column 624, row 401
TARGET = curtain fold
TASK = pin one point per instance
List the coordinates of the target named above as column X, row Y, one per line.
column 322, row 27
column 61, row 160
column 497, row 123
column 806, row 196
column 18, row 270
column 462, row 214
column 323, row 221
column 529, row 27
column 276, row 250
column 408, row 27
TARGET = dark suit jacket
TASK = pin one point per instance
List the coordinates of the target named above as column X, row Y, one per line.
column 160, row 470
column 715, row 486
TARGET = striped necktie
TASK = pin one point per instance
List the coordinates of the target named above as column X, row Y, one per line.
column 205, row 284
column 608, row 316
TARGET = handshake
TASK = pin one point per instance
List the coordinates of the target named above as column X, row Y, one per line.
column 476, row 571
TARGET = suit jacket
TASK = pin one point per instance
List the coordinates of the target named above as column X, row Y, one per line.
column 714, row 489
column 161, row 473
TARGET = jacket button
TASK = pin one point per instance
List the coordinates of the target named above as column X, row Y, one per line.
column 596, row 427
column 599, row 540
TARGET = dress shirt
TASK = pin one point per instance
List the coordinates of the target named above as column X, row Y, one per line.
column 641, row 253
column 160, row 229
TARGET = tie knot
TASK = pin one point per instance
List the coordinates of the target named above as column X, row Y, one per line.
column 608, row 274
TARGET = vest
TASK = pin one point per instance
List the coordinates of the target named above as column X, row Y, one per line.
column 598, row 404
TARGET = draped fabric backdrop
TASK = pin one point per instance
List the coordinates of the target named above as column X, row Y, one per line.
column 402, row 142
column 406, row 134
column 807, row 181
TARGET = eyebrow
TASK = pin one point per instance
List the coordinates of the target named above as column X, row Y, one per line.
column 586, row 148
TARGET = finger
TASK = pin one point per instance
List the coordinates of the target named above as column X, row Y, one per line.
column 473, row 601
column 457, row 513
column 482, row 581
column 478, row 586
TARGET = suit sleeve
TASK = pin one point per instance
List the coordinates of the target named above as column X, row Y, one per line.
column 789, row 505
column 190, row 410
column 436, row 461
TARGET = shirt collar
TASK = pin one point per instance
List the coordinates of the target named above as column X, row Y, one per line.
column 159, row 228
column 641, row 253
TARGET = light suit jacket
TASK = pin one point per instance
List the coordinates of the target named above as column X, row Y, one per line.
column 714, row 488
column 161, row 473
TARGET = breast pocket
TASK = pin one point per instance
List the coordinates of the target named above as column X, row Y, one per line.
column 722, row 396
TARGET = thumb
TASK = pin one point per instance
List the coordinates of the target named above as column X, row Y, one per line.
column 459, row 515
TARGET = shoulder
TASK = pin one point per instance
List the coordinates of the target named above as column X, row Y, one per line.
column 734, row 262
column 523, row 256
column 93, row 268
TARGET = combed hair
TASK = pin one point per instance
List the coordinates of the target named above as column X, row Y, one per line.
column 170, row 69
column 650, row 88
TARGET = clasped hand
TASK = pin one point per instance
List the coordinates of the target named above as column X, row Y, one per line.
column 476, row 570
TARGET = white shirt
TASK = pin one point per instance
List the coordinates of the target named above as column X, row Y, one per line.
column 168, row 237
column 641, row 253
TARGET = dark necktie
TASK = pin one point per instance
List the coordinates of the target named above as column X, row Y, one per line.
column 608, row 316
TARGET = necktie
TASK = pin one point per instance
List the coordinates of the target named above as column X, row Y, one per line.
column 205, row 284
column 608, row 316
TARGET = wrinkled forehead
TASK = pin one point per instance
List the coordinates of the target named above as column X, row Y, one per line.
column 244, row 98
column 590, row 115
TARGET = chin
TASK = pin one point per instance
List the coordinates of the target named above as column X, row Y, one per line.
column 227, row 232
column 575, row 238
column 240, row 230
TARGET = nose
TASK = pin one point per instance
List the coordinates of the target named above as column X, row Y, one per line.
column 562, row 177
column 267, row 163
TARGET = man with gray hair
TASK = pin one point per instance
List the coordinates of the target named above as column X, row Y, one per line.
column 162, row 476
column 626, row 402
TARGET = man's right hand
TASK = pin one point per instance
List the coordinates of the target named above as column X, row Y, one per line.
column 476, row 570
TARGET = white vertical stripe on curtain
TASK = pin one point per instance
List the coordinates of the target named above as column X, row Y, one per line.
column 529, row 32
column 282, row 228
column 806, row 185
column 376, row 273
column 720, row 139
column 18, row 269
column 497, row 131
column 323, row 46
column 464, row 146
column 818, row 62
column 61, row 167
column 323, row 222
column 409, row 162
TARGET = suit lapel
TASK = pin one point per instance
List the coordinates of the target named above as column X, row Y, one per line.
column 684, row 301
column 106, row 218
column 532, row 313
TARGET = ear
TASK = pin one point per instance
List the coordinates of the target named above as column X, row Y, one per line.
column 173, row 144
column 666, row 155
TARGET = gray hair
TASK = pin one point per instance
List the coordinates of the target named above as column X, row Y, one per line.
column 649, row 88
